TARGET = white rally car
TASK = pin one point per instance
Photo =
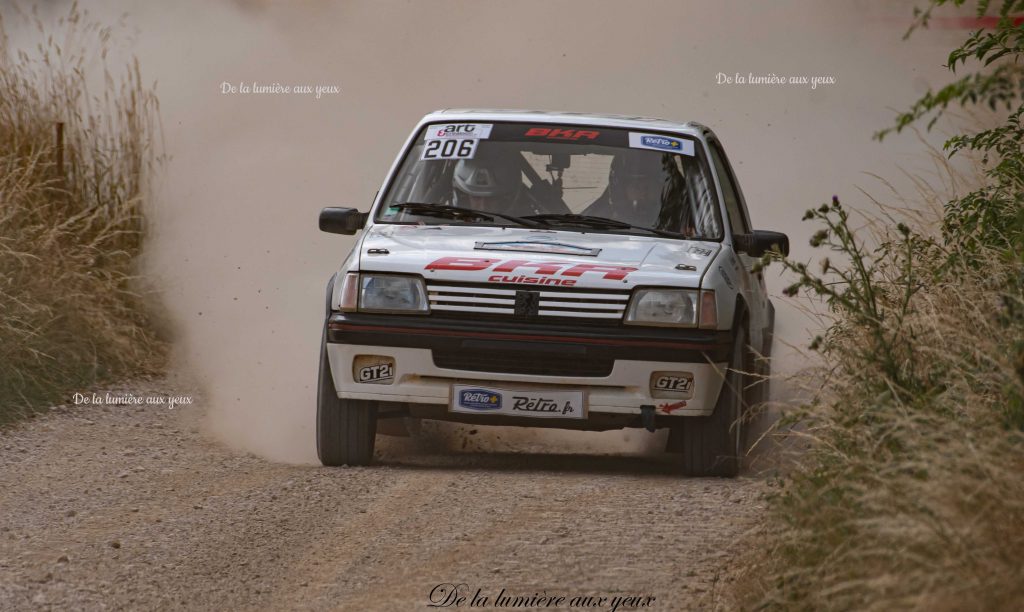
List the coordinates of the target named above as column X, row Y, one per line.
column 550, row 270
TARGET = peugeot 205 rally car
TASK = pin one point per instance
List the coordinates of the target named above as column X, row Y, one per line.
column 550, row 270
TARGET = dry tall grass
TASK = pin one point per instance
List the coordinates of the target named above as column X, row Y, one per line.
column 71, row 230
column 910, row 494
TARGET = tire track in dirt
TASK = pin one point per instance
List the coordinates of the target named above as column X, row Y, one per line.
column 119, row 507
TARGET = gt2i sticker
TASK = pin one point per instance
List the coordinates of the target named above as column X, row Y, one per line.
column 449, row 149
column 373, row 369
column 672, row 384
column 660, row 143
column 445, row 131
column 544, row 403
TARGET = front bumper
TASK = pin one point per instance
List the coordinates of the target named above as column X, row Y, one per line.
column 613, row 364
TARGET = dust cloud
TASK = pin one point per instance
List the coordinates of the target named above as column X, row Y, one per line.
column 235, row 248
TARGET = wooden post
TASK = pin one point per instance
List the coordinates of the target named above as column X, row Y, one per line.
column 60, row 149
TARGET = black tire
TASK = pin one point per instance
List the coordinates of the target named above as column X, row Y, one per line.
column 714, row 445
column 761, row 386
column 345, row 429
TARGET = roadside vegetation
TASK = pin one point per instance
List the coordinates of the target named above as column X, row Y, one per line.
column 909, row 490
column 74, row 167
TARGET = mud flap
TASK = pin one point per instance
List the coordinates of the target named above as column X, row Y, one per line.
column 647, row 417
column 675, row 439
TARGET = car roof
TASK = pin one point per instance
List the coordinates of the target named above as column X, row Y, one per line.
column 565, row 118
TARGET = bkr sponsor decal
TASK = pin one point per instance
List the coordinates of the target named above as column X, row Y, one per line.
column 546, row 272
column 562, row 134
column 660, row 143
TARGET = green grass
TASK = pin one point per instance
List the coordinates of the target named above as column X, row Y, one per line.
column 910, row 494
column 908, row 489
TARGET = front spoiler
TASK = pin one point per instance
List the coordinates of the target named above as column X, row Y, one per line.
column 616, row 396
column 586, row 341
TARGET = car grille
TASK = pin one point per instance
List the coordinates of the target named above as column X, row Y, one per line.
column 526, row 302
column 520, row 362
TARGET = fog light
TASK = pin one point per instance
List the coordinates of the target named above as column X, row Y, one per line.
column 373, row 369
column 672, row 384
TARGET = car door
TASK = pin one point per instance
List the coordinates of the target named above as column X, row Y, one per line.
column 751, row 283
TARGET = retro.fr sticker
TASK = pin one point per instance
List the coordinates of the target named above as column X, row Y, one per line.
column 658, row 142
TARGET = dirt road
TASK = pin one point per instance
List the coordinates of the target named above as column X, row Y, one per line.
column 132, row 507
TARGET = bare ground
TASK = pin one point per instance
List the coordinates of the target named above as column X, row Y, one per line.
column 118, row 507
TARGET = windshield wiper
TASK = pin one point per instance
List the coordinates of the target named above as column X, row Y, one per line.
column 459, row 213
column 600, row 223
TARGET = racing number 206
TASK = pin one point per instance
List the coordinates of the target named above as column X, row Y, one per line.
column 449, row 149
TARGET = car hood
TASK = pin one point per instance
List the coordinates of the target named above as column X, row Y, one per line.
column 537, row 257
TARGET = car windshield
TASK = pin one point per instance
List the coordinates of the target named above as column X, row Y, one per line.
column 561, row 177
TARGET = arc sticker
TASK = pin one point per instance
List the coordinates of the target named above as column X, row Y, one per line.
column 445, row 131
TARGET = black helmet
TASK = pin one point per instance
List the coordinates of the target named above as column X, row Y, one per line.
column 633, row 168
column 487, row 176
column 637, row 166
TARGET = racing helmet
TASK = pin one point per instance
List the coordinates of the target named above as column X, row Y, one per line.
column 487, row 176
column 635, row 167
column 637, row 181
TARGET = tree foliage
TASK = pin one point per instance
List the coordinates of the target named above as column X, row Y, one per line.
column 993, row 214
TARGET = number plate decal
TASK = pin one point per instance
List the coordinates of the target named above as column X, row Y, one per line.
column 537, row 403
column 461, row 148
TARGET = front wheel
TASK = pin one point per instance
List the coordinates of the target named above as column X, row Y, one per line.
column 345, row 429
column 714, row 445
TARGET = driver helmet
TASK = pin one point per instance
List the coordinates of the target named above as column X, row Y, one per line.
column 484, row 182
column 636, row 178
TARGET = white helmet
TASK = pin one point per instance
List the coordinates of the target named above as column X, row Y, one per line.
column 487, row 177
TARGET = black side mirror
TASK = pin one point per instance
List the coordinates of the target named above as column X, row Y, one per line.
column 342, row 220
column 760, row 242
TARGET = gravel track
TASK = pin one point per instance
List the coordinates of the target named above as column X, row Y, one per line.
column 129, row 507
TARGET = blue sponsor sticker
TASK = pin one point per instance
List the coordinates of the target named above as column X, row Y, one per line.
column 479, row 399
column 660, row 142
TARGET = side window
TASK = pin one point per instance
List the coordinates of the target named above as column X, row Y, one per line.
column 737, row 221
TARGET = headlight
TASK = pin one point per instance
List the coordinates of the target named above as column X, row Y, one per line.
column 392, row 293
column 669, row 307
